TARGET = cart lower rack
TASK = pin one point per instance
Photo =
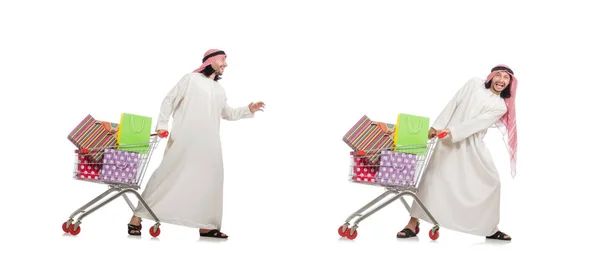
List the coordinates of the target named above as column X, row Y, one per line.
column 122, row 168
column 398, row 171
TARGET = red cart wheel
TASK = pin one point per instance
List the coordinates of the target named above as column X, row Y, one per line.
column 343, row 232
column 154, row 233
column 66, row 228
column 75, row 232
column 353, row 236
column 435, row 235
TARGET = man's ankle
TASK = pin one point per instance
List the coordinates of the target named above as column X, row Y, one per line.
column 413, row 222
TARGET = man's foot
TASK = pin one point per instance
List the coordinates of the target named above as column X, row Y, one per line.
column 135, row 226
column 212, row 233
column 499, row 235
column 411, row 230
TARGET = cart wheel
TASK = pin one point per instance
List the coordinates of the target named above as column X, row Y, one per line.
column 435, row 235
column 66, row 228
column 154, row 233
column 74, row 232
column 353, row 236
column 343, row 232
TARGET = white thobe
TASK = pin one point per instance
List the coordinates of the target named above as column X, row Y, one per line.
column 187, row 188
column 461, row 186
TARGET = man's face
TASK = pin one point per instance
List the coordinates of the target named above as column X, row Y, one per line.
column 219, row 66
column 500, row 81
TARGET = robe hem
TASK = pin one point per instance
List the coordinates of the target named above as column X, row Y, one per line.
column 422, row 216
column 147, row 216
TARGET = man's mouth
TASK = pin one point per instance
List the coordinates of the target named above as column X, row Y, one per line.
column 499, row 85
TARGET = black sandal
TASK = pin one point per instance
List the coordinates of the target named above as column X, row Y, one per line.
column 134, row 230
column 213, row 233
column 499, row 235
column 408, row 232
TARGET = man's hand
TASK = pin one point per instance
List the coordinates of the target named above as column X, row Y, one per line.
column 258, row 106
column 432, row 132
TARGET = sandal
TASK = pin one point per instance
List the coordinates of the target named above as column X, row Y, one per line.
column 499, row 235
column 137, row 230
column 213, row 233
column 134, row 230
column 408, row 232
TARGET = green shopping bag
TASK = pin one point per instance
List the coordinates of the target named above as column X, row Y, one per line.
column 134, row 133
column 411, row 134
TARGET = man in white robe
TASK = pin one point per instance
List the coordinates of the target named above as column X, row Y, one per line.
column 461, row 186
column 187, row 188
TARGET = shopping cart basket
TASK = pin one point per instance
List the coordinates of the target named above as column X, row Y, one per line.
column 122, row 169
column 398, row 172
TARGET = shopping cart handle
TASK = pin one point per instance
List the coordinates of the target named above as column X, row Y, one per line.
column 163, row 134
column 442, row 135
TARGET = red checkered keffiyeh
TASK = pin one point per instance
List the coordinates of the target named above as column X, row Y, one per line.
column 209, row 57
column 508, row 122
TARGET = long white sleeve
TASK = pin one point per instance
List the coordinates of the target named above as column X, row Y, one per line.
column 481, row 122
column 444, row 118
column 237, row 113
column 173, row 98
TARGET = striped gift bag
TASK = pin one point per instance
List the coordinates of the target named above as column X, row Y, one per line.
column 91, row 135
column 371, row 137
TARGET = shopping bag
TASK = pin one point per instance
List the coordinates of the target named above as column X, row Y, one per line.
column 362, row 171
column 397, row 168
column 411, row 134
column 119, row 166
column 370, row 137
column 113, row 128
column 134, row 133
column 86, row 169
column 90, row 135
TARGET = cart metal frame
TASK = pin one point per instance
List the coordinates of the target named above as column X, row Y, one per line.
column 350, row 228
column 72, row 225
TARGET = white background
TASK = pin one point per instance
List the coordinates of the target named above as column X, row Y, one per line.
column 319, row 66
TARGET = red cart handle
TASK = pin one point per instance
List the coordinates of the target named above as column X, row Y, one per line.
column 162, row 134
column 442, row 135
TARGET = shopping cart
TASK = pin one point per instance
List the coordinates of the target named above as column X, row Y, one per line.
column 398, row 172
column 122, row 169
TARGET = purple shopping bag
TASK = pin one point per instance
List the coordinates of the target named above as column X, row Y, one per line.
column 397, row 168
column 120, row 166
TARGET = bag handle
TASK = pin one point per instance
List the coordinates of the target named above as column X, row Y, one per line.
column 410, row 127
column 133, row 124
column 401, row 166
column 123, row 166
column 385, row 128
column 108, row 132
